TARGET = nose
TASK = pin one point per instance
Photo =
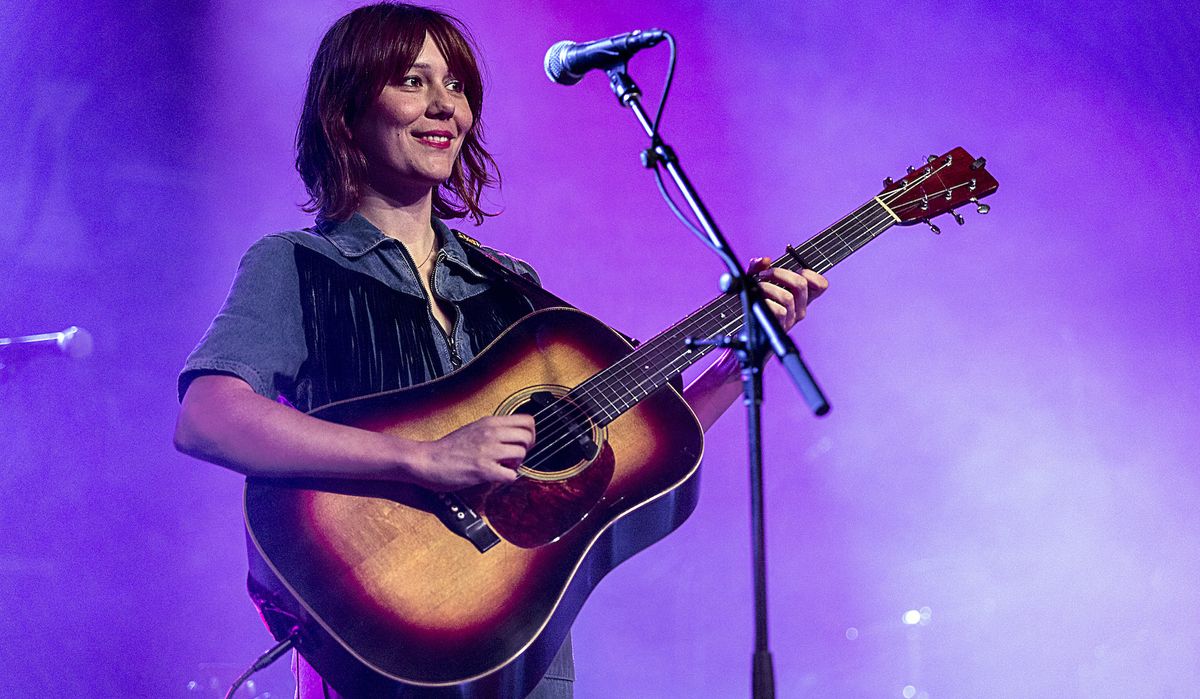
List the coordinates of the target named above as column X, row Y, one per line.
column 441, row 103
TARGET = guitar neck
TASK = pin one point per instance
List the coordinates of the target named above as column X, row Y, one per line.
column 618, row 388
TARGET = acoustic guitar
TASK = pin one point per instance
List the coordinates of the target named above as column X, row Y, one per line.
column 395, row 587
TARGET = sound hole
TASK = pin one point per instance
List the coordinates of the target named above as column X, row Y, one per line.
column 565, row 437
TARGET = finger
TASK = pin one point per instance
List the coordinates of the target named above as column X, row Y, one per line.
column 502, row 427
column 512, row 436
column 778, row 286
column 501, row 473
column 526, row 425
column 780, row 312
column 782, row 298
column 509, row 455
column 758, row 264
column 784, row 277
column 514, row 420
column 805, row 286
column 816, row 283
column 790, row 298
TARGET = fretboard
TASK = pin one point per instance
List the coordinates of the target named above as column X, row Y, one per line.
column 618, row 388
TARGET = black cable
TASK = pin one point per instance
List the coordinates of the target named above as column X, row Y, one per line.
column 658, row 179
column 662, row 102
column 276, row 651
column 662, row 189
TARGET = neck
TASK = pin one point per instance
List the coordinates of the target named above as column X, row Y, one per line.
column 608, row 394
column 405, row 218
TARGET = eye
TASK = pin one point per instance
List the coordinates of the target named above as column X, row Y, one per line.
column 410, row 81
column 454, row 85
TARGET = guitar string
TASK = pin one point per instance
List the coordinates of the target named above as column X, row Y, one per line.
column 806, row 250
column 560, row 434
column 789, row 261
column 704, row 320
column 719, row 308
column 634, row 386
column 620, row 375
column 851, row 247
column 819, row 246
column 629, row 396
column 823, row 244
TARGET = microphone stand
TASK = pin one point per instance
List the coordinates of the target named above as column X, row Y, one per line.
column 762, row 332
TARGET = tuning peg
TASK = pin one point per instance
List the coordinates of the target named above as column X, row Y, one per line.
column 958, row 218
column 911, row 169
column 932, row 227
column 888, row 182
column 931, row 158
column 979, row 163
column 981, row 208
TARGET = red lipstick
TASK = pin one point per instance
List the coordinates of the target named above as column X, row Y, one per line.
column 435, row 139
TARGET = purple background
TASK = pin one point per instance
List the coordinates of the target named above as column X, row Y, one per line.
column 1014, row 439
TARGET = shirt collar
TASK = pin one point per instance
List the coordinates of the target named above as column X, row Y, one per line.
column 356, row 236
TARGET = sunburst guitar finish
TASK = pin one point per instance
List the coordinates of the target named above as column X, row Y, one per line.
column 374, row 571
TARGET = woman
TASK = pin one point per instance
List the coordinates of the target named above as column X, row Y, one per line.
column 380, row 294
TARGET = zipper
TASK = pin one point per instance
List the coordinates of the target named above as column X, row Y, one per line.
column 455, row 358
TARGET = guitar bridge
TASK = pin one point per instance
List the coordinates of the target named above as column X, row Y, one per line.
column 464, row 521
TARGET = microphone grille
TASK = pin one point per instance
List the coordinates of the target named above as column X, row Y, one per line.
column 76, row 342
column 555, row 58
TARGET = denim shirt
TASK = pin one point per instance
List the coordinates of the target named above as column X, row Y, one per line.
column 260, row 334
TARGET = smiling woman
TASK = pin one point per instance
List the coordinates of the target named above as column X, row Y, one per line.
column 380, row 295
column 411, row 134
column 373, row 50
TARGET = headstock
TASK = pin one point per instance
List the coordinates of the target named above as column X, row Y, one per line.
column 941, row 185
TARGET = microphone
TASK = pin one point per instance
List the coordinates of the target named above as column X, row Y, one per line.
column 75, row 342
column 567, row 61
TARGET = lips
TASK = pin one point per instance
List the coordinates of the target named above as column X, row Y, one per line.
column 435, row 139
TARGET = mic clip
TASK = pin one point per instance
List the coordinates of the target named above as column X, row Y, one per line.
column 658, row 152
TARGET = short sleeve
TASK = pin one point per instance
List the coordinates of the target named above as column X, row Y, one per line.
column 258, row 336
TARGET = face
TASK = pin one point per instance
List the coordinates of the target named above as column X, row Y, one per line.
column 412, row 132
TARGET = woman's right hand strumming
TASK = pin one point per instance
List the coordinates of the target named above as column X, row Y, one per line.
column 485, row 451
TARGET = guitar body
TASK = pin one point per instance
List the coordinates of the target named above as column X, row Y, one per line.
column 390, row 597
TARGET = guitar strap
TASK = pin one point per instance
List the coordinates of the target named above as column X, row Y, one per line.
column 534, row 292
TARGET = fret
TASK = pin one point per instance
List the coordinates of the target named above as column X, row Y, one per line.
column 608, row 394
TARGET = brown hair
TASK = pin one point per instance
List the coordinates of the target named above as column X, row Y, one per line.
column 359, row 55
